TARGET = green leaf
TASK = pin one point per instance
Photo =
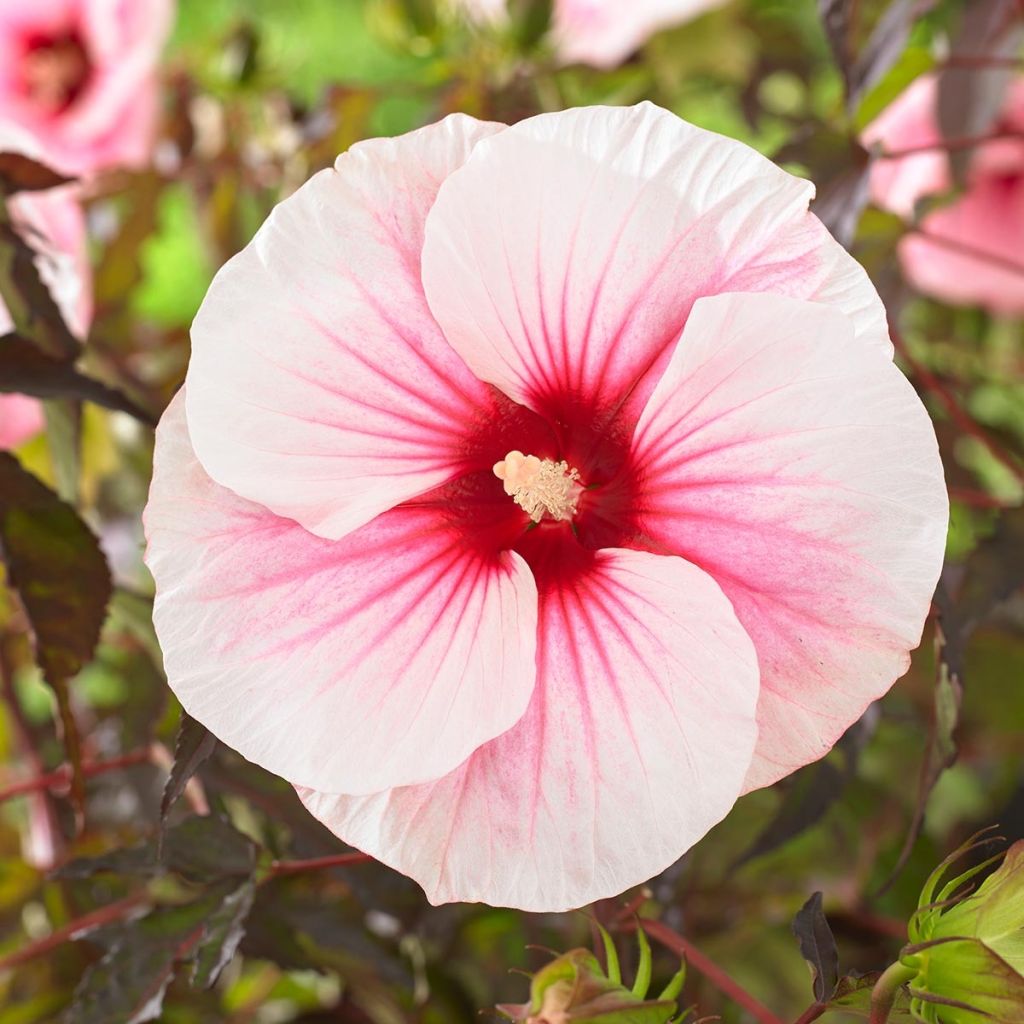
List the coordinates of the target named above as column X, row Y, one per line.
column 853, row 992
column 642, row 982
column 818, row 947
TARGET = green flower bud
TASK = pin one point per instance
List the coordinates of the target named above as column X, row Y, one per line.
column 573, row 989
column 967, row 952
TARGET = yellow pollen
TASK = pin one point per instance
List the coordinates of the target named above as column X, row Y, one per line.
column 540, row 487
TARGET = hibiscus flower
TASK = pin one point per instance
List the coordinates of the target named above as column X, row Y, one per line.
column 53, row 224
column 965, row 251
column 536, row 491
column 78, row 75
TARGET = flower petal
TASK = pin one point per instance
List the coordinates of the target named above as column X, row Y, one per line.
column 636, row 742
column 908, row 123
column 801, row 471
column 382, row 659
column 563, row 258
column 316, row 345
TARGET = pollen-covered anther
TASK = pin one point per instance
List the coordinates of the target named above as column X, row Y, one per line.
column 541, row 487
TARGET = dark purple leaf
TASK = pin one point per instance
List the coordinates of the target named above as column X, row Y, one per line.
column 26, row 370
column 19, row 173
column 818, row 947
column 195, row 743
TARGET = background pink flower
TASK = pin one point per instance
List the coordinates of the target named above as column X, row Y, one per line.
column 539, row 714
column 984, row 226
column 53, row 224
column 79, row 76
column 603, row 33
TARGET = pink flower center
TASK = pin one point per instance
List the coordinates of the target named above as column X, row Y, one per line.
column 54, row 71
column 541, row 487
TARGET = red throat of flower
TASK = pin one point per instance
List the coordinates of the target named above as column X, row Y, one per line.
column 55, row 70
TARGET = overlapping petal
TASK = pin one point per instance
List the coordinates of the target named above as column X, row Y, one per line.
column 801, row 471
column 636, row 742
column 563, row 258
column 383, row 659
column 316, row 345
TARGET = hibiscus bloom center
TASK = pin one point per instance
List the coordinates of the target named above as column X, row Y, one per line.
column 54, row 71
column 541, row 487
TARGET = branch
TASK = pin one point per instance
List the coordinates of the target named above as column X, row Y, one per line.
column 60, row 777
column 684, row 948
column 86, row 923
column 297, row 867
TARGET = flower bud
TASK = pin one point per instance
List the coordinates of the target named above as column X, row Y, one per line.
column 967, row 951
column 573, row 989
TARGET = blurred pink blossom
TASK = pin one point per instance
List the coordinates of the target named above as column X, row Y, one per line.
column 978, row 236
column 78, row 75
column 52, row 223
column 21, row 417
column 537, row 491
column 602, row 33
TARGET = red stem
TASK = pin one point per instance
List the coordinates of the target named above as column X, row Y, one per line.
column 813, row 1012
column 957, row 413
column 104, row 915
column 61, row 777
column 337, row 860
column 684, row 948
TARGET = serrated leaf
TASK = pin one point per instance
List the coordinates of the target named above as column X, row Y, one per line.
column 194, row 744
column 200, row 849
column 55, row 565
column 19, row 173
column 818, row 947
column 25, row 369
column 225, row 928
column 129, row 982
